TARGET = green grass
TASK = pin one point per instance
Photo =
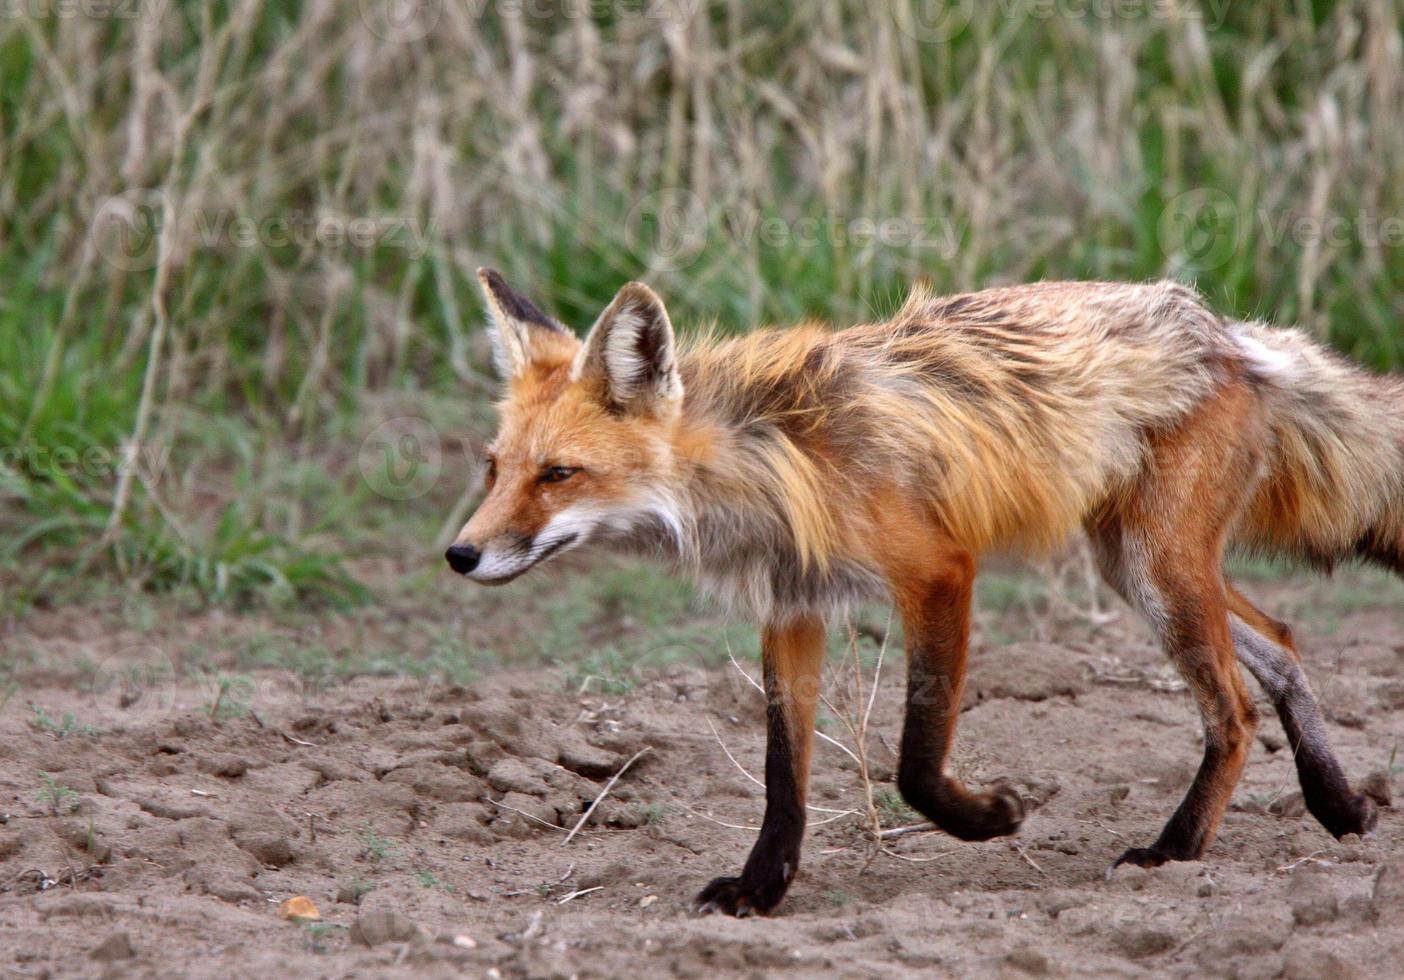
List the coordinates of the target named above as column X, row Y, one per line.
column 58, row 798
column 1253, row 568
column 375, row 847
column 230, row 696
column 1012, row 147
column 64, row 727
column 894, row 810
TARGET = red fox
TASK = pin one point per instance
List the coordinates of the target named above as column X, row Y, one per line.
column 794, row 471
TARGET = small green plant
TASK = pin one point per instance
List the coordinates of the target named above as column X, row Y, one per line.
column 655, row 813
column 838, row 897
column 230, row 698
column 894, row 809
column 607, row 671
column 69, row 725
column 374, row 846
column 42, row 721
column 353, row 892
column 1264, row 800
column 316, row 932
column 1394, row 768
column 60, row 799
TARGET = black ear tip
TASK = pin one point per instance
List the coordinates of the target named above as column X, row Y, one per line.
column 512, row 303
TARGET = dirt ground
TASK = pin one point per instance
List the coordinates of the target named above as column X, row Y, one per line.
column 150, row 826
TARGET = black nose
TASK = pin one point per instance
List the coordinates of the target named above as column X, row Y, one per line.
column 463, row 558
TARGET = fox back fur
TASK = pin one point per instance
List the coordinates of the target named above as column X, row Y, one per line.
column 1008, row 415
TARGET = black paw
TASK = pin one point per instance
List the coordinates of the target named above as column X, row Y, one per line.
column 982, row 816
column 1354, row 815
column 1142, row 857
column 1006, row 813
column 1150, row 857
column 962, row 814
column 734, row 896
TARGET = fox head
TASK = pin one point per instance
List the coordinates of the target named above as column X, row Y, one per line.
column 584, row 446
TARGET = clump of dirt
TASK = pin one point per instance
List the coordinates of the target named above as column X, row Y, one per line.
column 155, row 827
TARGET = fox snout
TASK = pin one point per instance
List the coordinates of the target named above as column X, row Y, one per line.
column 505, row 557
column 463, row 558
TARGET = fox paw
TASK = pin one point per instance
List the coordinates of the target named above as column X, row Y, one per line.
column 997, row 812
column 1006, row 812
column 1355, row 815
column 1151, row 857
column 1141, row 857
column 734, row 896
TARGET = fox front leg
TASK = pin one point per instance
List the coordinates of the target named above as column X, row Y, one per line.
column 792, row 653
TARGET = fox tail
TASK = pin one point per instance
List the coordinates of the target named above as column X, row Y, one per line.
column 1335, row 484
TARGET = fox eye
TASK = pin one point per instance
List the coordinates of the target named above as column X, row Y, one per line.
column 558, row 474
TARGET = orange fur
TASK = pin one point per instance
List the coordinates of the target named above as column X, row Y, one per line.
column 794, row 471
column 1006, row 416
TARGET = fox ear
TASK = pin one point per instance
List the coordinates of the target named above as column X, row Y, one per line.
column 630, row 354
column 521, row 333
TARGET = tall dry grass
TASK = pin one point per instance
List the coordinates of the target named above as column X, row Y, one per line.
column 238, row 235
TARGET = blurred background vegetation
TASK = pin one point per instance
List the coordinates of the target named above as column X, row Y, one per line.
column 237, row 238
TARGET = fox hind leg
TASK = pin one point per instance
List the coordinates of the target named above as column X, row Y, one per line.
column 1161, row 547
column 1189, row 613
column 1265, row 647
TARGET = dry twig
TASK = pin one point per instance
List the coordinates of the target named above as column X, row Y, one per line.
column 603, row 793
